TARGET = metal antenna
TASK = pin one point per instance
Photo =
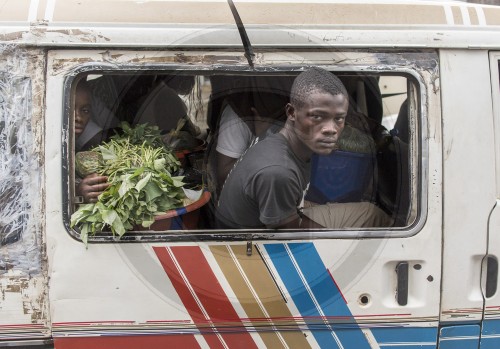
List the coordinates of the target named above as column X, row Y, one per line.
column 243, row 34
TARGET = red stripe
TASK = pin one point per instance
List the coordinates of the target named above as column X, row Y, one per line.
column 210, row 293
column 24, row 325
column 92, row 323
column 187, row 298
column 127, row 342
column 168, row 321
column 338, row 288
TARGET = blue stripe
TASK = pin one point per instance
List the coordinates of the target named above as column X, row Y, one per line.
column 181, row 210
column 176, row 223
column 459, row 337
column 326, row 292
column 298, row 292
column 490, row 336
column 323, row 288
column 405, row 337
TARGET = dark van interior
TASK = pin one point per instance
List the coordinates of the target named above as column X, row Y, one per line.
column 371, row 164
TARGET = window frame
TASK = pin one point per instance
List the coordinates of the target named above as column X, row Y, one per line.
column 418, row 149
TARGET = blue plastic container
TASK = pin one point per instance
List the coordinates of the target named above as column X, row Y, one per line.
column 340, row 177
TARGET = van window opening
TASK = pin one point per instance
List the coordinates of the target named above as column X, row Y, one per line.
column 207, row 122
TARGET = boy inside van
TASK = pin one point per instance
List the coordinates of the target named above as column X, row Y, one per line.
column 87, row 134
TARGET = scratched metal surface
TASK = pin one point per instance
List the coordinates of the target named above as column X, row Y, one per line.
column 22, row 255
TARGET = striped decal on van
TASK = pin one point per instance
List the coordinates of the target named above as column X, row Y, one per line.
column 274, row 297
column 315, row 294
column 281, row 296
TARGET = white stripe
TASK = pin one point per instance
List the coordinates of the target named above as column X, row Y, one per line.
column 449, row 15
column 254, row 294
column 49, row 10
column 480, row 15
column 32, row 14
column 458, row 338
column 372, row 341
column 197, row 300
column 490, row 336
column 465, row 14
column 410, row 344
column 316, row 304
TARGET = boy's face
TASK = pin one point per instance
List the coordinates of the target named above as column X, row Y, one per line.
column 319, row 122
column 83, row 110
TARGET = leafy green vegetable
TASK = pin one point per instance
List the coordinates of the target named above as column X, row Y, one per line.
column 139, row 134
column 87, row 162
column 138, row 167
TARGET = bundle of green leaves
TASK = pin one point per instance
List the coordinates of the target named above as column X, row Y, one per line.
column 138, row 167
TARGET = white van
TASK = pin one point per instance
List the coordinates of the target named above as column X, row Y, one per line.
column 424, row 82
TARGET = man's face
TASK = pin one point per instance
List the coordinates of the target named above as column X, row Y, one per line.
column 319, row 122
column 83, row 110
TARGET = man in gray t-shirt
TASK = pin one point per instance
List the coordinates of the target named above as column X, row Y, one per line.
column 267, row 185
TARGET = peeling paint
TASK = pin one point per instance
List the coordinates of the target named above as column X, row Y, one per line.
column 11, row 36
column 60, row 65
column 23, row 285
column 22, row 299
column 77, row 35
column 207, row 59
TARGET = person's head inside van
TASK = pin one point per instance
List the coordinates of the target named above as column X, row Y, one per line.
column 87, row 135
column 89, row 121
column 316, row 113
column 83, row 107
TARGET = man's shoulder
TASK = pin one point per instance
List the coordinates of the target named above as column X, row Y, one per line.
column 271, row 142
column 266, row 149
column 274, row 171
